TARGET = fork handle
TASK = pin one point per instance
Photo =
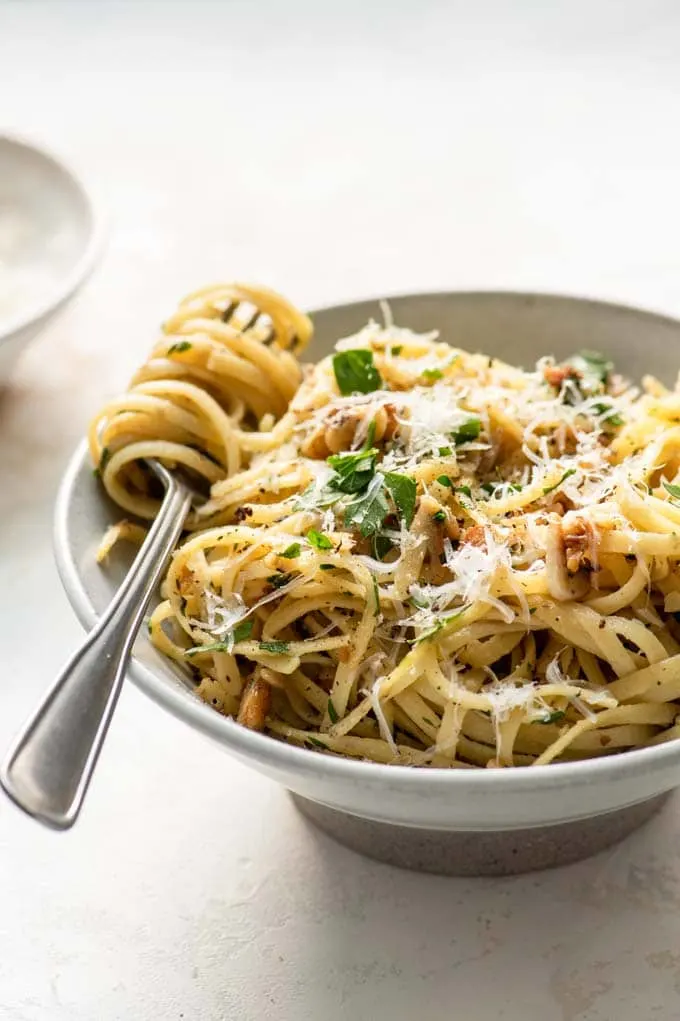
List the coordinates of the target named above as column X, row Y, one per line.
column 49, row 767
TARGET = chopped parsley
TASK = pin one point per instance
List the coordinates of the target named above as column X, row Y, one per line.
column 444, row 480
column 353, row 472
column 179, row 347
column 396, row 349
column 316, row 743
column 277, row 648
column 332, row 712
column 367, row 511
column 327, row 567
column 672, row 490
column 381, row 546
column 355, row 372
column 550, row 489
column 292, row 551
column 608, row 414
column 279, row 579
column 403, row 492
column 318, row 540
column 104, row 459
column 431, row 375
column 439, row 516
column 553, row 717
column 376, row 596
column 467, row 432
column 240, row 633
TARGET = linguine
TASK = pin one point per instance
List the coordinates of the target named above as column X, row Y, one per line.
column 409, row 554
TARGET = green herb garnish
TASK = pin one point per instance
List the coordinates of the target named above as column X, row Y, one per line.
column 439, row 516
column 179, row 347
column 431, row 375
column 292, row 551
column 355, row 372
column 396, row 349
column 467, row 432
column 367, row 511
column 608, row 414
column 318, row 540
column 279, row 579
column 326, row 567
column 332, row 712
column 403, row 491
column 550, row 489
column 240, row 633
column 278, row 648
column 444, row 480
column 672, row 490
column 381, row 546
column 353, row 472
column 316, row 743
column 553, row 717
column 376, row 595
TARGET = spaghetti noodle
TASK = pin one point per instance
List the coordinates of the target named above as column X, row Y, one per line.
column 409, row 554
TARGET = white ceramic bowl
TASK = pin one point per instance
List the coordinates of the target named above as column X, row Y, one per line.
column 49, row 239
column 485, row 821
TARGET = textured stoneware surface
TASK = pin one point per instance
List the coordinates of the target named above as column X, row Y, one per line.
column 333, row 151
column 480, row 853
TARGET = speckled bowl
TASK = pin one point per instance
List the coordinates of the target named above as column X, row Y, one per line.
column 458, row 822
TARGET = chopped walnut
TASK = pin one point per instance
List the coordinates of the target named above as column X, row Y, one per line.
column 338, row 431
column 255, row 704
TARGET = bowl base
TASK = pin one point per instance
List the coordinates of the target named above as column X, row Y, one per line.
column 479, row 852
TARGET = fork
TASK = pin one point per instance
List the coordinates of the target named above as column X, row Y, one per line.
column 49, row 767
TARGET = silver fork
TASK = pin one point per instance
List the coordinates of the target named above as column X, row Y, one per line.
column 48, row 769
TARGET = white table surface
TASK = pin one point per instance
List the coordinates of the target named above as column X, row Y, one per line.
column 333, row 151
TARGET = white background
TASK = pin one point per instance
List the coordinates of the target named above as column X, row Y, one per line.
column 332, row 151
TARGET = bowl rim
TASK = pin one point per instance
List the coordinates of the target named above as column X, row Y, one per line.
column 89, row 255
column 251, row 745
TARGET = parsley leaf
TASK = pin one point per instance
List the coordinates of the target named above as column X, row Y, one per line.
column 672, row 490
column 355, row 372
column 381, row 546
column 368, row 511
column 291, row 551
column 376, row 596
column 275, row 647
column 326, row 567
column 396, row 349
column 243, row 630
column 550, row 489
column 439, row 516
column 316, row 743
column 179, row 347
column 353, row 472
column 279, row 579
column 318, row 540
column 467, row 432
column 332, row 712
column 403, row 491
column 465, row 490
column 444, row 480
column 430, row 375
column 553, row 717
column 240, row 633
column 608, row 414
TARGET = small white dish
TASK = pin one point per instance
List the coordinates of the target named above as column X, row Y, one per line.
column 49, row 241
column 455, row 821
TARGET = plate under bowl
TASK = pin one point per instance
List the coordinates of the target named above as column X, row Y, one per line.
column 424, row 818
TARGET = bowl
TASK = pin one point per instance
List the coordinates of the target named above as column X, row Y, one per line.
column 49, row 239
column 470, row 822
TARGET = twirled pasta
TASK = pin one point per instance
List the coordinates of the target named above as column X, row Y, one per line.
column 409, row 553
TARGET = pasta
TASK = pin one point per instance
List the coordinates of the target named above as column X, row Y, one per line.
column 409, row 553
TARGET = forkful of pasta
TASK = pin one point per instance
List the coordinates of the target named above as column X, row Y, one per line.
column 224, row 364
